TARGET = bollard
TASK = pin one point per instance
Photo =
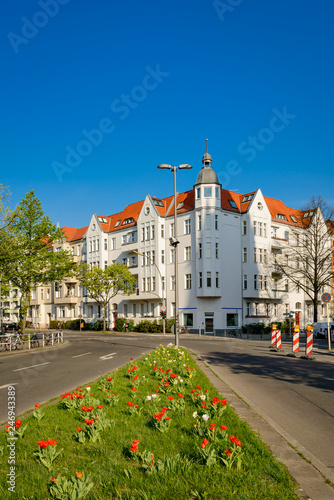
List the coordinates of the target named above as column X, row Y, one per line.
column 273, row 337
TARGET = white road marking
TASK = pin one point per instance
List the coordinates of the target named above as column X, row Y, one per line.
column 7, row 385
column 108, row 356
column 33, row 366
column 84, row 354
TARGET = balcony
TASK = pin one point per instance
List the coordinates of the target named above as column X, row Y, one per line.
column 69, row 299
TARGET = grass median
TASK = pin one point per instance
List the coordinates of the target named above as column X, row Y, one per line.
column 154, row 429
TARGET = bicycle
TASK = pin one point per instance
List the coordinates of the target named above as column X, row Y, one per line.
column 48, row 339
column 3, row 342
column 184, row 329
column 34, row 341
column 14, row 342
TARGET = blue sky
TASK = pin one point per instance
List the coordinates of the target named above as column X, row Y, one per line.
column 96, row 94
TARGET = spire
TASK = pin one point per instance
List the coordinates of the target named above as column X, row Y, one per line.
column 206, row 159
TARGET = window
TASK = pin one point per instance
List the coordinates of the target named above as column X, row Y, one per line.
column 293, row 219
column 287, row 308
column 162, row 231
column 78, row 250
column 148, row 258
column 171, row 229
column 113, row 243
column 275, row 308
column 153, row 257
column 245, row 281
column 232, row 203
column 134, row 310
column 208, row 249
column 47, row 293
column 90, row 246
column 124, row 239
column 255, row 227
column 208, row 279
column 143, row 233
column 248, row 308
column 198, row 193
column 200, row 280
column 207, row 192
column 42, row 293
column 260, row 228
column 187, row 226
column 61, row 311
column 216, row 222
column 199, row 222
column 231, row 319
column 245, row 255
column 217, row 250
column 172, row 255
column 188, row 319
column 163, row 282
column 199, row 250
column 260, row 281
column 286, row 235
column 188, row 281
column 117, row 223
column 33, row 294
column 125, row 310
column 58, row 290
column 144, row 284
column 217, row 279
column 105, row 264
column 172, row 282
column 148, row 284
column 207, row 221
column 264, row 229
column 286, row 286
column 244, row 227
column 217, row 192
column 187, row 253
column 162, row 256
column 274, row 232
column 265, row 259
column 97, row 245
column 125, row 261
column 105, row 244
column 265, row 280
column 255, row 281
column 152, row 232
column 280, row 216
column 255, row 251
column 147, row 233
column 143, row 260
column 260, row 255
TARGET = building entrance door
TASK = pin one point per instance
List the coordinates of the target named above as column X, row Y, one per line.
column 208, row 324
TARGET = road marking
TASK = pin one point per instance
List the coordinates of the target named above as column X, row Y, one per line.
column 33, row 366
column 7, row 385
column 108, row 356
column 84, row 354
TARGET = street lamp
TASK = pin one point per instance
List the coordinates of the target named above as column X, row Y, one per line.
column 174, row 242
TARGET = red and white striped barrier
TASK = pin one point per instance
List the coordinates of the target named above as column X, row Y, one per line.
column 295, row 342
column 278, row 339
column 309, row 344
column 273, row 337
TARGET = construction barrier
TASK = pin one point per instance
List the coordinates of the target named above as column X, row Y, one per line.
column 309, row 343
column 273, row 337
column 278, row 339
column 295, row 342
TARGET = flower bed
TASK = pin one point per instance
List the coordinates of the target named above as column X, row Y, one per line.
column 154, row 429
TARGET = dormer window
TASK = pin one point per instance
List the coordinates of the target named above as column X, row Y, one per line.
column 117, row 223
column 157, row 202
column 293, row 219
column 207, row 192
column 103, row 220
column 247, row 198
column 128, row 221
column 232, row 203
column 281, row 217
column 198, row 193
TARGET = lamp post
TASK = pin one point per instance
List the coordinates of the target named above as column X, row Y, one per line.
column 162, row 289
column 174, row 242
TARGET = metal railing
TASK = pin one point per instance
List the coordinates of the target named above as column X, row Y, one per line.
column 16, row 341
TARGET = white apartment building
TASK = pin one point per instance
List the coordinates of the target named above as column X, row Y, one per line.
column 226, row 260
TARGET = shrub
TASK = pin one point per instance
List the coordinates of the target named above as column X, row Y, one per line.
column 120, row 324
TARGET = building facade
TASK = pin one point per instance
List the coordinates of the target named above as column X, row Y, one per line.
column 226, row 257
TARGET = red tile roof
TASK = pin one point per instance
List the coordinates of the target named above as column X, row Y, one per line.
column 74, row 234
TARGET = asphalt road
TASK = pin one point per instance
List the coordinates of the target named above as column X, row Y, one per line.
column 296, row 396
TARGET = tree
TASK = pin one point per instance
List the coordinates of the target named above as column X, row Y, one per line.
column 307, row 259
column 104, row 284
column 29, row 259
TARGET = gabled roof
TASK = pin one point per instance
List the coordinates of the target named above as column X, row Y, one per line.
column 73, row 233
column 283, row 214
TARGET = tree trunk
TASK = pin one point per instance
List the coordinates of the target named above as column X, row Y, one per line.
column 104, row 318
column 315, row 309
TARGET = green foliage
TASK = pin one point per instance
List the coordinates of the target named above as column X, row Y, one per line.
column 29, row 260
column 104, row 284
column 149, row 326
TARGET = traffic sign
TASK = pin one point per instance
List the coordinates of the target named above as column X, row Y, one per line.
column 163, row 309
column 326, row 297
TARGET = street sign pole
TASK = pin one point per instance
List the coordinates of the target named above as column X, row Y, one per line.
column 326, row 298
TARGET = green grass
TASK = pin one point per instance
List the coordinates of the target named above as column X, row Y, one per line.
column 179, row 471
